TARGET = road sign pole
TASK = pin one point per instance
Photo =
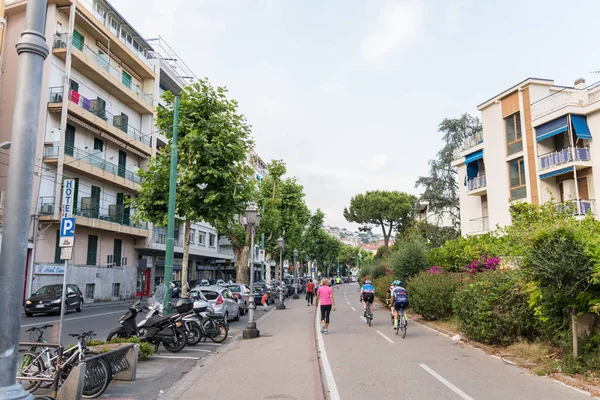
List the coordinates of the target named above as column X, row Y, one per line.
column 262, row 257
column 63, row 300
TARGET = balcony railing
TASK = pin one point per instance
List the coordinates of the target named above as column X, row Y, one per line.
column 577, row 207
column 478, row 182
column 564, row 98
column 99, row 110
column 46, row 205
column 480, row 225
column 103, row 61
column 563, row 156
column 468, row 143
column 159, row 236
column 94, row 160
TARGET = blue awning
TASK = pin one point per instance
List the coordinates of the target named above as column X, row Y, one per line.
column 555, row 173
column 472, row 170
column 478, row 155
column 582, row 130
column 551, row 128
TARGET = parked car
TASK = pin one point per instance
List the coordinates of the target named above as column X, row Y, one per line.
column 242, row 293
column 223, row 301
column 259, row 291
column 220, row 282
column 47, row 300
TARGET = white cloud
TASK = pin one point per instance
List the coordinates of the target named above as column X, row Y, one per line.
column 396, row 27
column 377, row 162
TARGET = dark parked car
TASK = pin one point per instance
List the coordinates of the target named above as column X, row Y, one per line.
column 259, row 291
column 242, row 293
column 47, row 300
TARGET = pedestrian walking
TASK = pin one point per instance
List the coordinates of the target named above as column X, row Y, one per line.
column 264, row 301
column 310, row 292
column 326, row 300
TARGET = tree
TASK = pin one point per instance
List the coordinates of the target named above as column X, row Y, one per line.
column 390, row 210
column 441, row 186
column 212, row 182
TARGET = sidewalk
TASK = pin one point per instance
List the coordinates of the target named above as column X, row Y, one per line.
column 281, row 364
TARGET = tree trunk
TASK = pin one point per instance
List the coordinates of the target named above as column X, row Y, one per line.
column 242, row 274
column 186, row 256
column 386, row 237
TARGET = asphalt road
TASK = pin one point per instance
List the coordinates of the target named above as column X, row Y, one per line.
column 372, row 362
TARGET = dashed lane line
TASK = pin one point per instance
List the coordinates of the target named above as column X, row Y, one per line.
column 385, row 337
column 449, row 385
column 353, row 309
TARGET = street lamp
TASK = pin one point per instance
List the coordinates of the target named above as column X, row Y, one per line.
column 252, row 221
column 280, row 244
column 306, row 262
column 296, row 273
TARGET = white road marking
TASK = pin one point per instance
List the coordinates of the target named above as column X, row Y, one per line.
column 385, row 337
column 363, row 318
column 348, row 302
column 353, row 309
column 431, row 329
column 71, row 319
column 176, row 357
column 450, row 386
column 329, row 379
column 209, row 344
column 206, row 351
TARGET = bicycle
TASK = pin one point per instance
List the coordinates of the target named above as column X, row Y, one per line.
column 402, row 323
column 43, row 364
column 369, row 313
column 36, row 334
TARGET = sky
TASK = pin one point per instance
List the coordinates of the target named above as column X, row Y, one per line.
column 349, row 93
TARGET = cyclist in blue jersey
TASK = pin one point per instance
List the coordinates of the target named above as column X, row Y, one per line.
column 399, row 298
column 367, row 294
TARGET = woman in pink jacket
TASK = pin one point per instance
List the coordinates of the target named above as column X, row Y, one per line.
column 325, row 296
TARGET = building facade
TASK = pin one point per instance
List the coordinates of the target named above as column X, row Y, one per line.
column 536, row 146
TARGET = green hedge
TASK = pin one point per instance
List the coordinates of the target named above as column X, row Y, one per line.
column 494, row 309
column 431, row 295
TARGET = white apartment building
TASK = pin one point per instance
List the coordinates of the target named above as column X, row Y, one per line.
column 537, row 145
column 423, row 213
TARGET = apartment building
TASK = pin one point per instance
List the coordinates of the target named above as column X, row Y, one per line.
column 423, row 213
column 536, row 146
column 96, row 127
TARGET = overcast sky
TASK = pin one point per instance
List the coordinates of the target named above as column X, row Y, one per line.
column 350, row 92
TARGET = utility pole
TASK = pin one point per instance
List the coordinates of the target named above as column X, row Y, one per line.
column 170, row 245
column 262, row 259
column 32, row 51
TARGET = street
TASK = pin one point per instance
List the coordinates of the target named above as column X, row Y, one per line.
column 372, row 362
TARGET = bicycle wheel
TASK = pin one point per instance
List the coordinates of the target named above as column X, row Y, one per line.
column 403, row 324
column 97, row 378
column 223, row 332
column 29, row 366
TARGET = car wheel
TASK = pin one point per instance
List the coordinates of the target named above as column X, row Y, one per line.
column 28, row 314
column 79, row 306
column 226, row 316
column 237, row 317
column 245, row 309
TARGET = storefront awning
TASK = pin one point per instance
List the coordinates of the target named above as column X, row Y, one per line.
column 555, row 173
column 551, row 128
column 580, row 125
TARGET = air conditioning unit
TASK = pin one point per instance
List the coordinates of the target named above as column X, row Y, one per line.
column 47, row 209
column 56, row 97
column 59, row 43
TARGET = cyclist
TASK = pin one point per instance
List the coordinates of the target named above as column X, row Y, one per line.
column 367, row 294
column 388, row 297
column 399, row 299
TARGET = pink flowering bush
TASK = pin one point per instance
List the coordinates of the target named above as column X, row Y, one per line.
column 485, row 263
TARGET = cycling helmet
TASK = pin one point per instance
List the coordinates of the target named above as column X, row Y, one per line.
column 367, row 282
column 396, row 283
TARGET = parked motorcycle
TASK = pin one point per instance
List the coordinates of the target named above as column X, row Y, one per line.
column 154, row 328
column 203, row 322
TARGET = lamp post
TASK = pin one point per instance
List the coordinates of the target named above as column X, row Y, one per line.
column 306, row 262
column 296, row 274
column 252, row 221
column 280, row 244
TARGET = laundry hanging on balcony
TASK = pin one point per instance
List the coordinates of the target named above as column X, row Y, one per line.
column 472, row 163
column 555, row 173
column 580, row 126
column 551, row 128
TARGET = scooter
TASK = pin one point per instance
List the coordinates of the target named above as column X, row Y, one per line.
column 154, row 329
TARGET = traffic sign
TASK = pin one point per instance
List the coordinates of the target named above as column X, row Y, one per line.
column 312, row 269
column 66, row 253
column 261, row 255
column 67, row 232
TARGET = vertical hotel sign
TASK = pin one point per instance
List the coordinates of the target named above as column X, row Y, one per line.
column 67, row 199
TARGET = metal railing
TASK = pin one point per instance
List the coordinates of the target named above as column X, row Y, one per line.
column 103, row 61
column 577, row 207
column 159, row 236
column 564, row 98
column 476, row 183
column 479, row 225
column 115, row 213
column 94, row 160
column 55, row 95
column 46, row 204
column 467, row 143
column 563, row 156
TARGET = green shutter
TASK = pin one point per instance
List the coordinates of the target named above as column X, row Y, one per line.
column 69, row 140
column 126, row 79
column 96, row 196
column 117, row 252
column 57, row 248
column 75, row 196
column 92, row 250
column 126, row 210
column 122, row 163
column 98, row 144
column 74, row 85
column 78, row 40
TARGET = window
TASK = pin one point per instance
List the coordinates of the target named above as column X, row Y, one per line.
column 117, row 252
column 109, row 260
column 192, row 235
column 78, row 40
column 92, row 250
column 74, row 85
column 516, row 170
column 202, row 238
column 514, row 140
column 89, row 290
column 116, row 290
column 114, row 26
column 57, row 248
column 98, row 144
column 59, row 28
column 126, row 79
column 211, row 240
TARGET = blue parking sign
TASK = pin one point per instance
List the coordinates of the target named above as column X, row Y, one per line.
column 67, row 232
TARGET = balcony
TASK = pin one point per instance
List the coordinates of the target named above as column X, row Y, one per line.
column 94, row 112
column 569, row 100
column 564, row 157
column 99, row 69
column 577, row 207
column 468, row 143
column 93, row 165
column 479, row 225
column 115, row 218
column 477, row 185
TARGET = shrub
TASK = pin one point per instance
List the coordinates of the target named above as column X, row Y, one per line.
column 146, row 349
column 483, row 264
column 494, row 309
column 409, row 259
column 430, row 293
column 379, row 271
column 382, row 252
column 382, row 286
